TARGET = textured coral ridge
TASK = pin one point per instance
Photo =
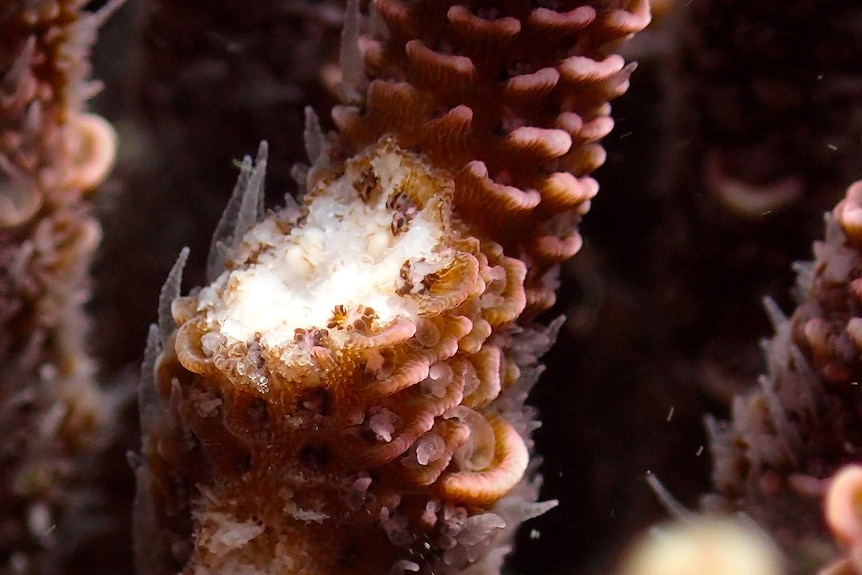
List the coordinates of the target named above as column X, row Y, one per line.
column 512, row 98
column 53, row 416
column 803, row 422
column 346, row 396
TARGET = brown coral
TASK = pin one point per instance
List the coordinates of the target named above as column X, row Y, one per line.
column 512, row 100
column 387, row 433
column 356, row 357
column 51, row 153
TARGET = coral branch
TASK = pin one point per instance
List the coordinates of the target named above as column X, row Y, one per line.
column 54, row 417
column 802, row 424
column 511, row 100
column 347, row 394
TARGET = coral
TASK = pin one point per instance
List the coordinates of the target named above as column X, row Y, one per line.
column 512, row 101
column 53, row 417
column 802, row 423
column 842, row 516
column 375, row 398
column 201, row 85
column 347, row 393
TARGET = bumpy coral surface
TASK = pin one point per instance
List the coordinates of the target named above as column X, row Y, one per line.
column 513, row 99
column 346, row 392
column 803, row 423
column 51, row 153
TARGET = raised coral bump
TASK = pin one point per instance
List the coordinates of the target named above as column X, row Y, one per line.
column 395, row 387
column 93, row 147
column 484, row 487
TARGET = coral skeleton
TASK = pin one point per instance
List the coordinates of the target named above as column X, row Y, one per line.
column 347, row 393
column 54, row 419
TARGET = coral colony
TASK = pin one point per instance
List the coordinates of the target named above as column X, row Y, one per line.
column 347, row 394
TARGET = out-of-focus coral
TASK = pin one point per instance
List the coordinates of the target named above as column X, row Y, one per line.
column 703, row 546
column 347, row 394
column 54, row 419
column 842, row 510
column 802, row 423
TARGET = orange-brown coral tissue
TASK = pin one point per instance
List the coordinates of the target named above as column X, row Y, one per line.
column 512, row 99
column 347, row 394
column 842, row 510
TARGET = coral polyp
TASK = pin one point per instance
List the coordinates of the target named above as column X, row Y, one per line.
column 342, row 393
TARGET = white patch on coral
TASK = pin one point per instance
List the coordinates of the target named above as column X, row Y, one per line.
column 343, row 253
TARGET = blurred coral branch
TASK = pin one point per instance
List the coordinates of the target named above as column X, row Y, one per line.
column 54, row 418
column 802, row 423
